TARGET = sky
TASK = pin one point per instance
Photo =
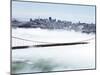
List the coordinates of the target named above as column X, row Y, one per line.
column 68, row 12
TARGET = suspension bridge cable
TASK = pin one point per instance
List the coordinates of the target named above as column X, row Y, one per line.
column 49, row 44
column 30, row 40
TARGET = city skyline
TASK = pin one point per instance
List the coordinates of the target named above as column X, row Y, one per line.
column 74, row 13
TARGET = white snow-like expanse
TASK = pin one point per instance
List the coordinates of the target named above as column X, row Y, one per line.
column 56, row 58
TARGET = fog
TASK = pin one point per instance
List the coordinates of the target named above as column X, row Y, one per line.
column 58, row 58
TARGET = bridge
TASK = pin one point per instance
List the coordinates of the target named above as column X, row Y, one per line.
column 39, row 44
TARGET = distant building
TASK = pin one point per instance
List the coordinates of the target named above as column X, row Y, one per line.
column 50, row 19
column 31, row 20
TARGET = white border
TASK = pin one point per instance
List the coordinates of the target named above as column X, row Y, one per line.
column 5, row 37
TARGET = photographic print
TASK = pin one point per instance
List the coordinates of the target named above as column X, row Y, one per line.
column 52, row 37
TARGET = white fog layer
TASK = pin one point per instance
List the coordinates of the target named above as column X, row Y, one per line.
column 56, row 58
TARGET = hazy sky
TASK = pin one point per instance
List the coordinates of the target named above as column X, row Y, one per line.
column 74, row 13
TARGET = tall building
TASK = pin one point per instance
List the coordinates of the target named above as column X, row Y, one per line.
column 50, row 18
column 31, row 20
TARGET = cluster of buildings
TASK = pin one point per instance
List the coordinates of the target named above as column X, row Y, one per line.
column 50, row 23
